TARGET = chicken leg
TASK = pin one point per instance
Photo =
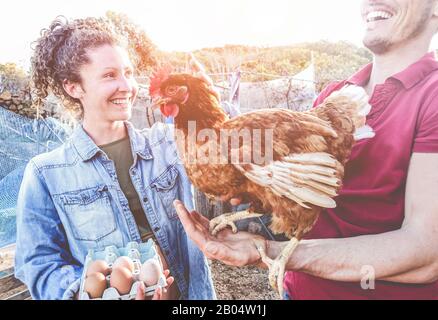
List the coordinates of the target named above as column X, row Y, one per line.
column 277, row 267
column 221, row 222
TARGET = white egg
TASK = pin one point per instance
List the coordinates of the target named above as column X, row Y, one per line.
column 95, row 285
column 150, row 272
column 122, row 280
column 98, row 266
column 125, row 262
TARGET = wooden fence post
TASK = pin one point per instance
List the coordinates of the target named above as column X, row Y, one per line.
column 210, row 208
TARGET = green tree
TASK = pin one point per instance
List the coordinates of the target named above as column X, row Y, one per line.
column 333, row 60
column 13, row 78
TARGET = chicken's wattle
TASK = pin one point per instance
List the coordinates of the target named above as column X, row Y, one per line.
column 169, row 110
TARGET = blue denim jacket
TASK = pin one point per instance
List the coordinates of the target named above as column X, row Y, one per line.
column 70, row 201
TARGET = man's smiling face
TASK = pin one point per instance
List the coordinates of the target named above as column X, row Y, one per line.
column 392, row 22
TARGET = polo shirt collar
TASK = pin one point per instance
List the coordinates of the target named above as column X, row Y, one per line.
column 417, row 71
column 362, row 77
column 408, row 77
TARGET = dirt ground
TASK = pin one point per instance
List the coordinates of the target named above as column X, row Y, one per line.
column 247, row 283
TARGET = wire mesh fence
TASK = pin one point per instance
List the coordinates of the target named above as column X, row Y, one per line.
column 21, row 139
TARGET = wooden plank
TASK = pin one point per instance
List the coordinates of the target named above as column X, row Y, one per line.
column 10, row 287
column 202, row 204
column 22, row 295
column 9, row 283
column 6, row 272
column 210, row 208
column 7, row 295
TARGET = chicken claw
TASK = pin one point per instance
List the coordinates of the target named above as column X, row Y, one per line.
column 221, row 222
column 277, row 267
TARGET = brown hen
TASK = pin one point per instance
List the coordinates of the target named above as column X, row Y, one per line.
column 285, row 163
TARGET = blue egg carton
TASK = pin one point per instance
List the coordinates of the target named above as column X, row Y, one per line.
column 138, row 253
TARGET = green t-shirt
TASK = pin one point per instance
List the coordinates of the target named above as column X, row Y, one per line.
column 120, row 153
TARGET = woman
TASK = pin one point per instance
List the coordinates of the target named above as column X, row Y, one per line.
column 110, row 183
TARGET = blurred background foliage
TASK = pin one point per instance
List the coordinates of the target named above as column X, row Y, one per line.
column 333, row 60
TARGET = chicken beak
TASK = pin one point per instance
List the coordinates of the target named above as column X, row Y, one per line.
column 158, row 102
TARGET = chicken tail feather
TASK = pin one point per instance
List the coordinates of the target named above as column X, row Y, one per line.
column 307, row 178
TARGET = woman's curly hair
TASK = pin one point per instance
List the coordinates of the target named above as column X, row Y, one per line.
column 61, row 51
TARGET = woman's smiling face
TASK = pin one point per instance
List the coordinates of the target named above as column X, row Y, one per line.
column 108, row 85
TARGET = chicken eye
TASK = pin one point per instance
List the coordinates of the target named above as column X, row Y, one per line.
column 171, row 90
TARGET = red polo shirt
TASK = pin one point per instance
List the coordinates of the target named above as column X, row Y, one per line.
column 405, row 118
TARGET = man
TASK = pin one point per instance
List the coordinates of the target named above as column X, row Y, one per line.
column 381, row 240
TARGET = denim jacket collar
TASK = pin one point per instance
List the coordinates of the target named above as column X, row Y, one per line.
column 87, row 148
column 139, row 143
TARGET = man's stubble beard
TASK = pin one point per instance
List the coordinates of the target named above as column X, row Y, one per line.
column 382, row 45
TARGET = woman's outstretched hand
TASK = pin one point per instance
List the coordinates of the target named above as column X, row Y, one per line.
column 239, row 249
column 158, row 294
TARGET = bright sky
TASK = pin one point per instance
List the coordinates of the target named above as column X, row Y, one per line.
column 186, row 25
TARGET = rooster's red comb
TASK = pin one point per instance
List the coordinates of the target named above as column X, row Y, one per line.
column 157, row 78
